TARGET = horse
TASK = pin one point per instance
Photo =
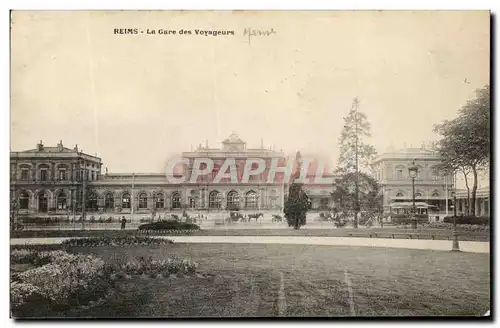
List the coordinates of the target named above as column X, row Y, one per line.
column 256, row 216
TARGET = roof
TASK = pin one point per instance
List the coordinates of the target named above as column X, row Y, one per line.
column 406, row 204
column 50, row 150
column 408, row 154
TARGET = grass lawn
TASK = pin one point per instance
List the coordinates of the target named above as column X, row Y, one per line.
column 424, row 233
column 247, row 279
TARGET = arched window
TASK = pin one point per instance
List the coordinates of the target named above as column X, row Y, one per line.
column 43, row 202
column 418, row 195
column 126, row 200
column 159, row 200
column 400, row 194
column 233, row 201
column 214, row 200
column 435, row 194
column 61, row 201
column 251, row 199
column 176, row 200
column 24, row 200
column 109, row 201
column 92, row 202
column 143, row 200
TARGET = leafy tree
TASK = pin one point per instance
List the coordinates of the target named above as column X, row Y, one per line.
column 296, row 206
column 465, row 143
column 370, row 198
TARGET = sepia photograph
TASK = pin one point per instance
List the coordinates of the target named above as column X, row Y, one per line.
column 228, row 164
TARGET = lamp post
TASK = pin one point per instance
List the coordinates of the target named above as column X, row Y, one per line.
column 413, row 172
column 455, row 246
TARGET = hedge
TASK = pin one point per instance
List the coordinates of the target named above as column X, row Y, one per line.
column 169, row 225
column 477, row 220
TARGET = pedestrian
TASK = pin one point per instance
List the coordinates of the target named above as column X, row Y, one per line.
column 124, row 221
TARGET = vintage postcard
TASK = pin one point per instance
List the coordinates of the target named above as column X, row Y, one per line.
column 243, row 164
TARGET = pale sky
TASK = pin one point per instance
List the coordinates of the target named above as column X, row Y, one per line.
column 137, row 100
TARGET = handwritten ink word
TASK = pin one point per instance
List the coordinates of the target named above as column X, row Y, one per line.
column 251, row 32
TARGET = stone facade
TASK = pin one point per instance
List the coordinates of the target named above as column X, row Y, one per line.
column 482, row 205
column 58, row 180
column 50, row 179
column 391, row 171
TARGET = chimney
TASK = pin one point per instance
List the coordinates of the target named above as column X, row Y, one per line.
column 60, row 146
column 261, row 143
column 206, row 144
column 76, row 148
column 39, row 146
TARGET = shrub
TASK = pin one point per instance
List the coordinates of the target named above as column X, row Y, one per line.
column 169, row 225
column 115, row 241
column 477, row 220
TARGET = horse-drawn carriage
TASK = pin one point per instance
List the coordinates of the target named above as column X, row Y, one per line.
column 238, row 217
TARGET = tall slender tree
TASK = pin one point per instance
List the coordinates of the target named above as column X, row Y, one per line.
column 465, row 143
column 356, row 156
column 352, row 138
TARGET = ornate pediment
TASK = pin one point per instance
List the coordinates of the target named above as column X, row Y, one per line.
column 233, row 143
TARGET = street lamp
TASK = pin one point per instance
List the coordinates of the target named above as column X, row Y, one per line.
column 455, row 247
column 413, row 172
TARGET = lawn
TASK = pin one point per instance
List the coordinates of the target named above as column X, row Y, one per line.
column 249, row 280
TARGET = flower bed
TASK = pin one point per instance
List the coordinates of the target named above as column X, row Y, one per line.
column 157, row 268
column 168, row 232
column 38, row 258
column 62, row 281
column 116, row 241
column 67, row 280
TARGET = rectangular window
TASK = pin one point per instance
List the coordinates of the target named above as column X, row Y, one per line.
column 62, row 175
column 24, row 174
column 43, row 175
column 399, row 174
